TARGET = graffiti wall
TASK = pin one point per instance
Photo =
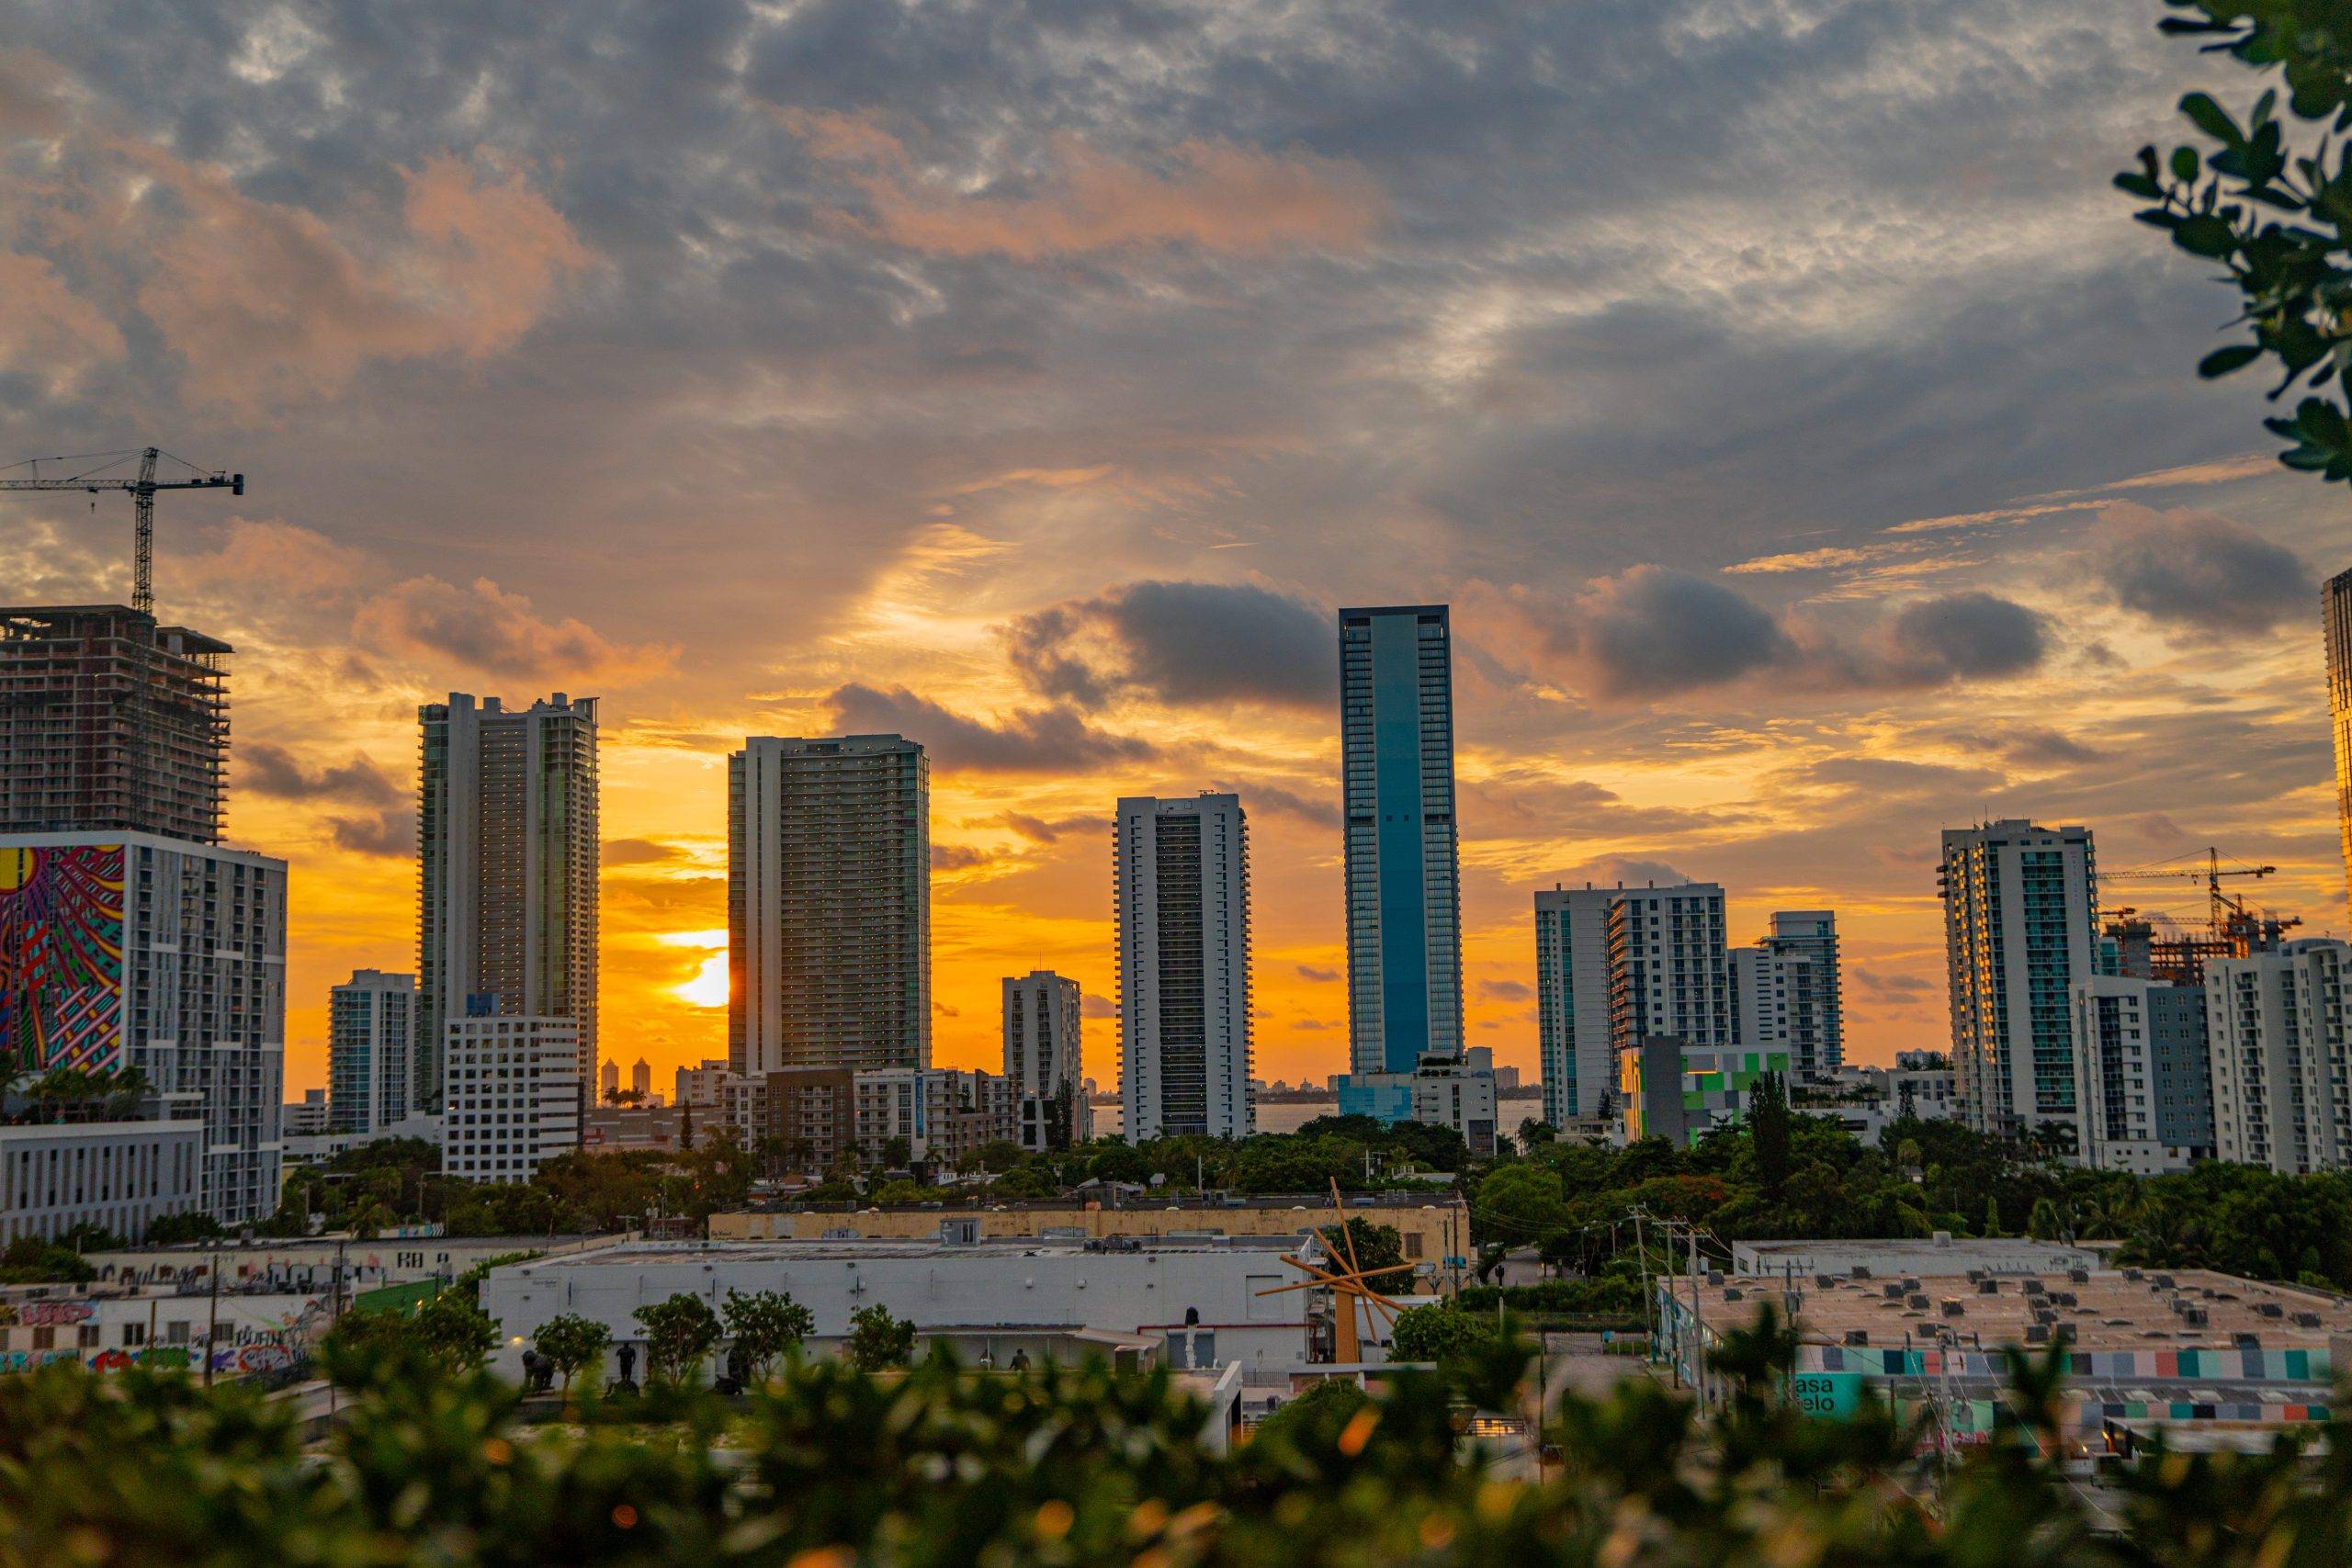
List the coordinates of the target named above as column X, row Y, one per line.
column 60, row 955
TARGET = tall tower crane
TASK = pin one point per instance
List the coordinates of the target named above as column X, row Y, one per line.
column 96, row 471
column 2172, row 953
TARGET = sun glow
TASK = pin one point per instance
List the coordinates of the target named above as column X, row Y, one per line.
column 709, row 987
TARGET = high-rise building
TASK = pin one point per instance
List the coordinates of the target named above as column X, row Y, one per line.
column 2144, row 1080
column 1786, row 995
column 1181, row 869
column 828, row 904
column 608, row 1079
column 2278, row 1040
column 2336, row 615
column 514, row 1097
column 1403, row 867
column 371, row 1038
column 641, row 1081
column 110, row 722
column 131, row 950
column 506, row 880
column 1571, row 1001
column 1667, row 970
column 1043, row 1059
column 2020, row 927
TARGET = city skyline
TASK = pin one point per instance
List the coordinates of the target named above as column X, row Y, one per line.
column 878, row 462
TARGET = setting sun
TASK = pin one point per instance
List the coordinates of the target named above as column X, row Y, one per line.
column 709, row 987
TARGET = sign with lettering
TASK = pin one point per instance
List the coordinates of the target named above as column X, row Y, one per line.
column 1836, row 1396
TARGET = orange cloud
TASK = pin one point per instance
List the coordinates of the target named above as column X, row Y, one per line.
column 47, row 330
column 1210, row 194
column 270, row 304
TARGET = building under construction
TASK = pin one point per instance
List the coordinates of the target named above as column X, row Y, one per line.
column 108, row 720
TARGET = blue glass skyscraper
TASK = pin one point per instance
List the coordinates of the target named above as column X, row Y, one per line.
column 1404, row 873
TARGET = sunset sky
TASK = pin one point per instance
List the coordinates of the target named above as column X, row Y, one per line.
column 1805, row 437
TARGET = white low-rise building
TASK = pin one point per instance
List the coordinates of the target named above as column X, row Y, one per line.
column 1866, row 1101
column 118, row 1176
column 514, row 1096
column 1191, row 1305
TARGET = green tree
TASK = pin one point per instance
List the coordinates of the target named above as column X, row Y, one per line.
column 172, row 1230
column 1518, row 1205
column 877, row 1340
column 1439, row 1332
column 2265, row 197
column 455, row 1332
column 571, row 1344
column 679, row 1332
column 30, row 1261
column 1376, row 1246
column 1768, row 1130
column 1316, row 1419
column 764, row 1325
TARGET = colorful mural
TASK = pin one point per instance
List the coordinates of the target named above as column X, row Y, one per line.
column 60, row 955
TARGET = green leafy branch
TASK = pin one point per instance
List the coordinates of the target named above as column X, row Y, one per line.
column 2278, row 216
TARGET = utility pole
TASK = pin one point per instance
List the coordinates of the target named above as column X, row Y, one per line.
column 1649, row 1325
column 212, row 1328
column 1698, row 1348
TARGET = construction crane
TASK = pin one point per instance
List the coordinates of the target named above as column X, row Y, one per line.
column 2211, row 873
column 96, row 471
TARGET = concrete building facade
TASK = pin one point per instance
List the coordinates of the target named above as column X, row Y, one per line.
column 829, row 904
column 2275, row 1029
column 110, row 722
column 507, row 864
column 1787, row 994
column 1403, row 874
column 2142, row 1075
column 169, row 956
column 2336, row 621
column 704, row 1086
column 1669, row 974
column 1675, row 1090
column 1444, row 1090
column 514, row 1096
column 1579, row 1067
column 118, row 1176
column 985, row 1297
column 371, row 1041
column 2020, row 928
column 1181, row 871
column 1045, row 1058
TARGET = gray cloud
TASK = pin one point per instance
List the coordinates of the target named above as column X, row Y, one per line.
column 957, row 857
column 1185, row 643
column 1651, row 632
column 1038, row 831
column 1274, row 799
column 392, row 834
column 1888, row 986
column 265, row 769
column 1054, row 739
column 1319, row 974
column 2200, row 572
column 1091, row 1005
column 1960, row 636
column 2030, row 745
column 637, row 852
